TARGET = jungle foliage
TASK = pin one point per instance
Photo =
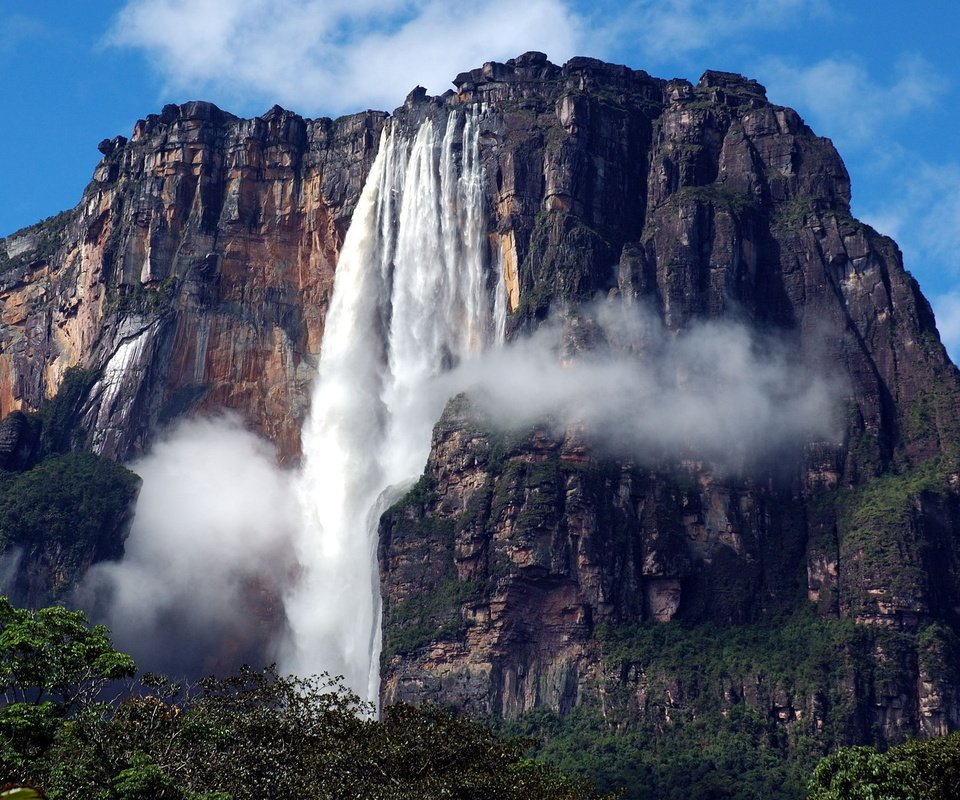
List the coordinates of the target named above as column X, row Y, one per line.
column 917, row 770
column 68, row 501
column 60, row 508
column 750, row 709
column 72, row 727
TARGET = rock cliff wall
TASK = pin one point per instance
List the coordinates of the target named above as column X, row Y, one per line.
column 509, row 564
column 193, row 275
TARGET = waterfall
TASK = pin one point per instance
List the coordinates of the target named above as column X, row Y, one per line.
column 412, row 296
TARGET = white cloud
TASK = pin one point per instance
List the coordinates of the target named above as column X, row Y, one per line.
column 668, row 29
column 842, row 100
column 715, row 392
column 335, row 56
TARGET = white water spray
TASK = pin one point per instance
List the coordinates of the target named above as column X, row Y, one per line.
column 411, row 298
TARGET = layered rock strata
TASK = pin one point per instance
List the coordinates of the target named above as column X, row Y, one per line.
column 194, row 274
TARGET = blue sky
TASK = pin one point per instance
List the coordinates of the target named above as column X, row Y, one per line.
column 881, row 78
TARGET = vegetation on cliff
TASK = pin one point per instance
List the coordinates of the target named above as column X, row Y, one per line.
column 77, row 504
column 70, row 726
column 740, row 711
column 61, row 509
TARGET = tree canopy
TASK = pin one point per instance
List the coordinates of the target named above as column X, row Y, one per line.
column 74, row 725
column 67, row 729
column 922, row 769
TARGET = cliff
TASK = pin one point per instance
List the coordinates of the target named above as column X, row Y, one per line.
column 532, row 572
column 194, row 273
column 523, row 573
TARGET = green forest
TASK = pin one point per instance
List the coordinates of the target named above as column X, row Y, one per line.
column 78, row 721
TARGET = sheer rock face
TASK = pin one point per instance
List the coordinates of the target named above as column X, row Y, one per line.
column 702, row 202
column 196, row 272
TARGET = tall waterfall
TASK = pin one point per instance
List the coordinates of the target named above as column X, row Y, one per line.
column 413, row 295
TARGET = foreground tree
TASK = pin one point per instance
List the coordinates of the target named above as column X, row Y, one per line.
column 53, row 665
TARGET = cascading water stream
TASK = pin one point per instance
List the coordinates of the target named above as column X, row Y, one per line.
column 412, row 296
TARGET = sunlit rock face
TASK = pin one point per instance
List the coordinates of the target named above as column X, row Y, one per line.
column 196, row 274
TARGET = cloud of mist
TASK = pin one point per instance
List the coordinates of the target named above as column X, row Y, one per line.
column 716, row 392
column 209, row 551
column 211, row 555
